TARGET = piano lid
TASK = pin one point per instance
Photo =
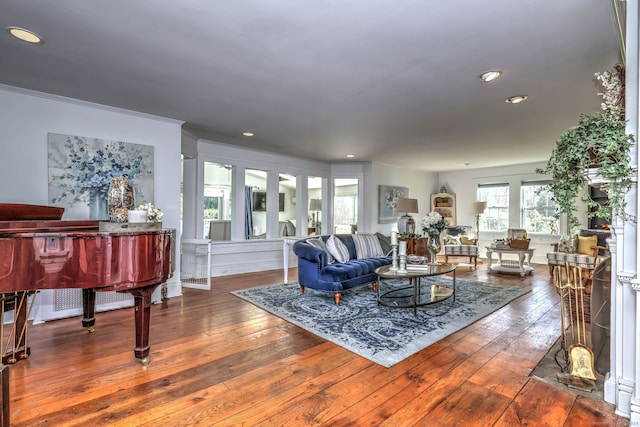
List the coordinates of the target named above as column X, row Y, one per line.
column 19, row 211
column 22, row 218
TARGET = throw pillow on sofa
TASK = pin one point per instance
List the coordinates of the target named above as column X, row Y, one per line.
column 568, row 244
column 602, row 236
column 367, row 246
column 337, row 249
column 385, row 242
column 586, row 244
column 319, row 243
column 464, row 240
column 451, row 240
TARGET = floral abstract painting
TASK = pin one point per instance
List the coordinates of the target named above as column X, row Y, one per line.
column 388, row 198
column 81, row 169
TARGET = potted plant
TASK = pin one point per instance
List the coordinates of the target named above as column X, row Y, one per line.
column 598, row 142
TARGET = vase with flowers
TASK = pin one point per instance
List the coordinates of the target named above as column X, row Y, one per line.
column 432, row 226
column 154, row 213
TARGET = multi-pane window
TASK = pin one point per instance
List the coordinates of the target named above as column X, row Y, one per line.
column 345, row 205
column 538, row 210
column 217, row 201
column 496, row 215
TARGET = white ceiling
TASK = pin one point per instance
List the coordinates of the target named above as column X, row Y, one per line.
column 392, row 81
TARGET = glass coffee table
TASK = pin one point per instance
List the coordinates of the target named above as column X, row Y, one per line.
column 404, row 290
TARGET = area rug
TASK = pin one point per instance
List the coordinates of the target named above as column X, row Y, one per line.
column 384, row 335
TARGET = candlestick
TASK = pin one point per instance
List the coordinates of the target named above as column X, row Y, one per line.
column 403, row 263
column 403, row 248
column 394, row 257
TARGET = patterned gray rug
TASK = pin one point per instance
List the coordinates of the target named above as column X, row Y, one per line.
column 384, row 335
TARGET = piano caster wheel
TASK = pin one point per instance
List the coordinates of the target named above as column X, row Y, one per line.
column 91, row 329
column 145, row 360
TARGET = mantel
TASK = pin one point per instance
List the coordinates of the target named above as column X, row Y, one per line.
column 596, row 180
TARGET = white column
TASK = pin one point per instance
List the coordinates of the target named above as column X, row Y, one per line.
column 273, row 188
column 189, row 188
column 623, row 379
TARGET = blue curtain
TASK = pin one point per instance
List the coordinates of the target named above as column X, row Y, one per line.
column 248, row 211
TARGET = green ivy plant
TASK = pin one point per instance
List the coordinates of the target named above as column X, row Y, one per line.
column 599, row 141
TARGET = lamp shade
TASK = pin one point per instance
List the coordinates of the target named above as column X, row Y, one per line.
column 407, row 205
column 315, row 204
column 478, row 208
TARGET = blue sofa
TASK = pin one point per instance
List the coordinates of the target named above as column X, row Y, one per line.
column 316, row 272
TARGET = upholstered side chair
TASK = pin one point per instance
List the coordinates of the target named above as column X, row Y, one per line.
column 457, row 243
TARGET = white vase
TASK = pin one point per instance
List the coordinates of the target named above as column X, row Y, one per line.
column 98, row 206
column 137, row 216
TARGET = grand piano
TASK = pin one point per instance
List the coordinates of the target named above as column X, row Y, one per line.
column 39, row 251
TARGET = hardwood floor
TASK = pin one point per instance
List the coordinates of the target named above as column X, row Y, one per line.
column 218, row 360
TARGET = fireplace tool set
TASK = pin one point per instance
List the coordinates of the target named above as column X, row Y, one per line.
column 575, row 354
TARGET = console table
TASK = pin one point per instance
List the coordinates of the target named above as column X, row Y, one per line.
column 415, row 245
column 520, row 266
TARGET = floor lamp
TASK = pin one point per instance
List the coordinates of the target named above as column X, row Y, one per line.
column 477, row 208
column 315, row 205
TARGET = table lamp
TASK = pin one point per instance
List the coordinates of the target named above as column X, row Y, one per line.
column 406, row 224
column 477, row 208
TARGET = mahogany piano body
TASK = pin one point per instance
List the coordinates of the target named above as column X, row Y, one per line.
column 53, row 254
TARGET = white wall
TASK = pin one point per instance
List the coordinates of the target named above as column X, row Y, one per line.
column 420, row 184
column 28, row 116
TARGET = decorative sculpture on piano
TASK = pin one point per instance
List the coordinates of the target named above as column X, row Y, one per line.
column 120, row 199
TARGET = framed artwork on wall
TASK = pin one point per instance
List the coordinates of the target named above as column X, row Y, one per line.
column 387, row 200
column 260, row 201
column 516, row 233
column 81, row 170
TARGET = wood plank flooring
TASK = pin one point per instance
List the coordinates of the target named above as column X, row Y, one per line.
column 217, row 360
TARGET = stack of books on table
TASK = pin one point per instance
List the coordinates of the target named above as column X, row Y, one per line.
column 418, row 267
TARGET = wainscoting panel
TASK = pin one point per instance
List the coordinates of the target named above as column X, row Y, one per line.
column 247, row 256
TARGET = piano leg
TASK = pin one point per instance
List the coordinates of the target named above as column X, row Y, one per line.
column 89, row 309
column 17, row 302
column 5, row 414
column 142, row 300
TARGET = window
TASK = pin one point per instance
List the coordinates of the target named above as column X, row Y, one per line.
column 217, row 201
column 345, row 205
column 314, row 205
column 538, row 210
column 496, row 216
column 256, row 204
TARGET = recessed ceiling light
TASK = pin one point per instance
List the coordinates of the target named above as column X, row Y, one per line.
column 25, row 35
column 516, row 99
column 488, row 76
column 350, row 156
column 247, row 134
